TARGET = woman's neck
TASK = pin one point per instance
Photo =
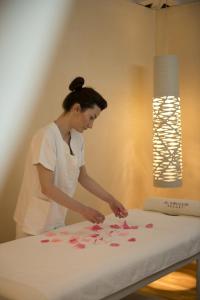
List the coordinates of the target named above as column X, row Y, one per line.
column 63, row 124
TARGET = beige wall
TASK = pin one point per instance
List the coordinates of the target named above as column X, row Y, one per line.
column 112, row 44
column 117, row 60
column 181, row 28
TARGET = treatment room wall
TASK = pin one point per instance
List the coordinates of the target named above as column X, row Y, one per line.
column 113, row 50
column 181, row 36
column 111, row 44
column 29, row 33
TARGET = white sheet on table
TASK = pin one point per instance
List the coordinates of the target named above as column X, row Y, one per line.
column 59, row 271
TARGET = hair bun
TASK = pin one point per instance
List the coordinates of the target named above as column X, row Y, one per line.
column 76, row 84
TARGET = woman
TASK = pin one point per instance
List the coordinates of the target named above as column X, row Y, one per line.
column 55, row 164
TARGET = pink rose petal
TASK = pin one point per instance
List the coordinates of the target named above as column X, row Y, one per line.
column 132, row 240
column 116, row 226
column 125, row 225
column 123, row 233
column 94, row 235
column 50, row 233
column 133, row 227
column 80, row 246
column 55, row 240
column 73, row 240
column 149, row 225
column 44, row 241
column 95, row 227
column 114, row 245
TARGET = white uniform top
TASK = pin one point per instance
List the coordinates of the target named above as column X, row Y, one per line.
column 36, row 213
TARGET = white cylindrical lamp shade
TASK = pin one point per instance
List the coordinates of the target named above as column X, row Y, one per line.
column 167, row 140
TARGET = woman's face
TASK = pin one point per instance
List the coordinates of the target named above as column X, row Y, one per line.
column 85, row 119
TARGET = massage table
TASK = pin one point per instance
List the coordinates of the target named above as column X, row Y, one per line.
column 89, row 262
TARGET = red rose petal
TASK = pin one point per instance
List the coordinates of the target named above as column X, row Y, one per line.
column 114, row 245
column 132, row 240
column 125, row 225
column 133, row 227
column 115, row 226
column 149, row 226
column 44, row 241
column 73, row 241
column 80, row 246
column 95, row 227
column 94, row 235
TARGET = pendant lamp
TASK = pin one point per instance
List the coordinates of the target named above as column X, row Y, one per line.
column 167, row 145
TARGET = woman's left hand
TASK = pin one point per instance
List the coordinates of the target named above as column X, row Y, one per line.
column 118, row 209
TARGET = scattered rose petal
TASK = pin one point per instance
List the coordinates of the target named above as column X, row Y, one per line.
column 95, row 227
column 80, row 246
column 123, row 233
column 56, row 240
column 44, row 241
column 50, row 233
column 114, row 245
column 134, row 227
column 94, row 235
column 73, row 240
column 125, row 225
column 116, row 226
column 149, row 226
column 132, row 240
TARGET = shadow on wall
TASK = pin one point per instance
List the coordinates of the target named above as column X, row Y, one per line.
column 47, row 108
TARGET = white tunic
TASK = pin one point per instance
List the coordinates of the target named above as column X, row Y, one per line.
column 36, row 213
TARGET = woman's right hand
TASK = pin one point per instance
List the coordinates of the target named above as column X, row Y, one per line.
column 92, row 215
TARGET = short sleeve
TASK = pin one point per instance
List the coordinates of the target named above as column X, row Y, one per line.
column 43, row 149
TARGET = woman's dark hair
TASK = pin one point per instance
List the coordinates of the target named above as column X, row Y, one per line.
column 87, row 97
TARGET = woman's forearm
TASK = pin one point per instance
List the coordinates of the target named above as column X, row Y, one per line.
column 51, row 191
column 93, row 187
column 63, row 199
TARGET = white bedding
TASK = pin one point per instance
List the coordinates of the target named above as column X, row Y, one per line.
column 52, row 267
